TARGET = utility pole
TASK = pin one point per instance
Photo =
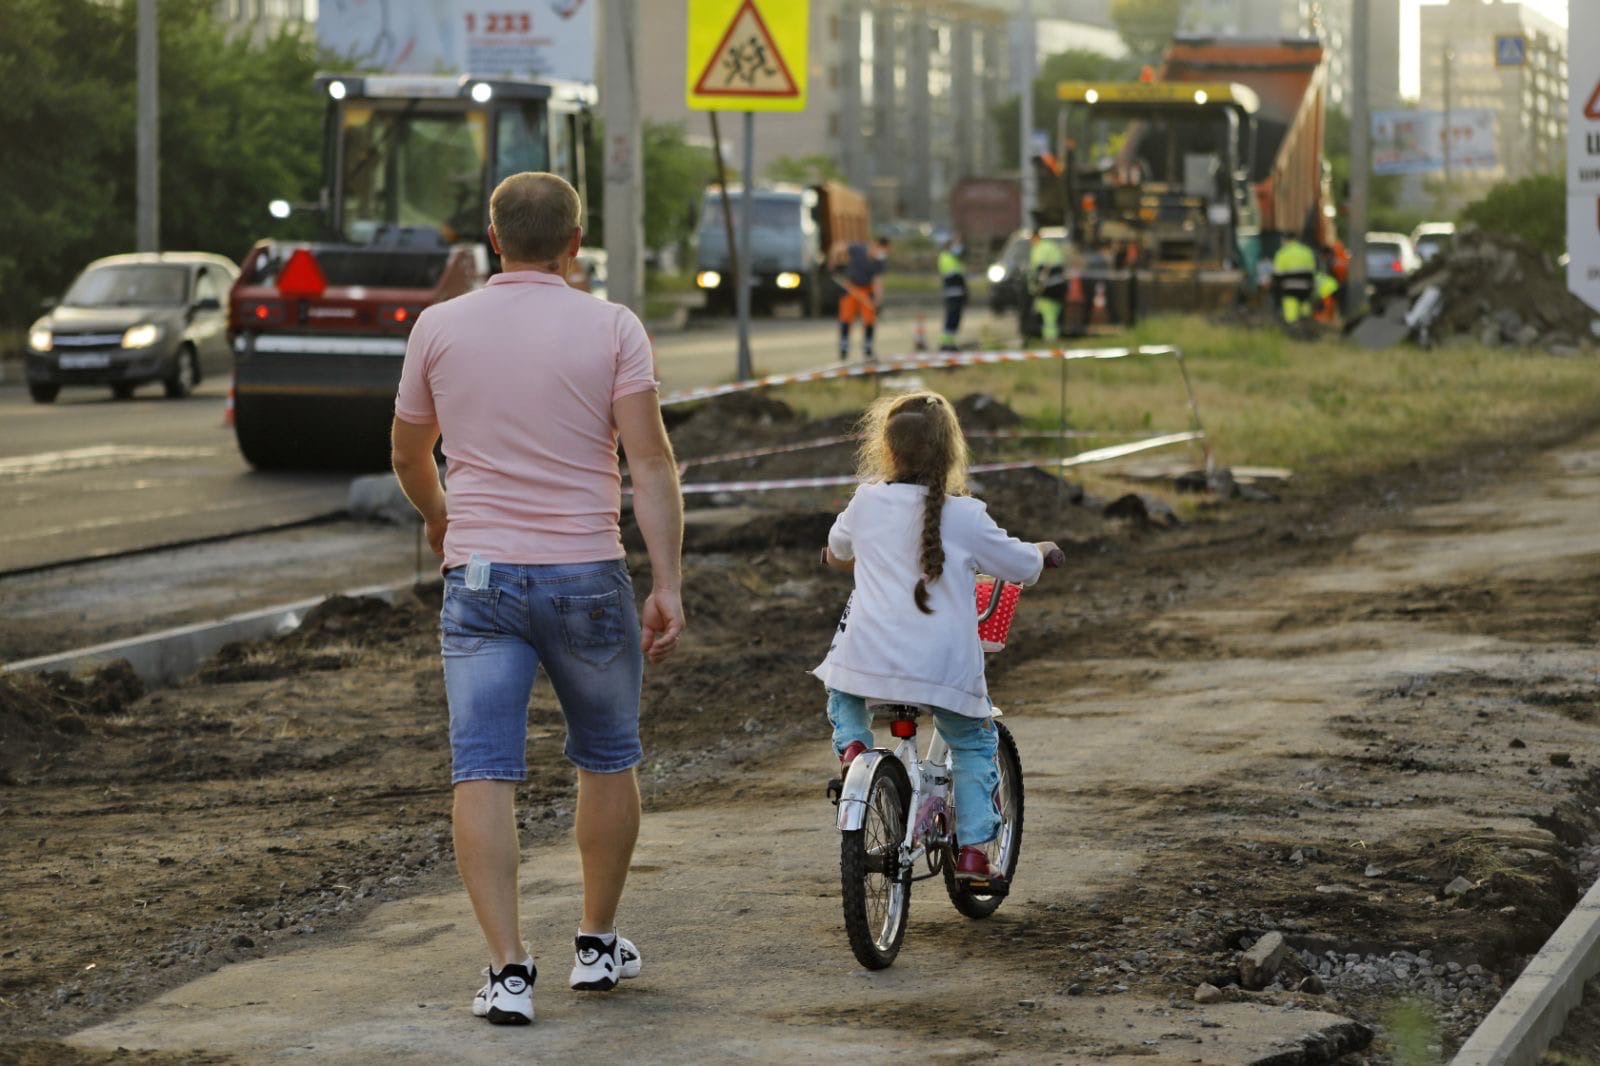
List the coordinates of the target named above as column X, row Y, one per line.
column 147, row 137
column 741, row 275
column 1024, row 67
column 1448, row 55
column 624, row 165
column 1360, row 155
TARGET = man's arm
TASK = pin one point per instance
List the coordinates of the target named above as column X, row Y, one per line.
column 412, row 452
column 658, row 509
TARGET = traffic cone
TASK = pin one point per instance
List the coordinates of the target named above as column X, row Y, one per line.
column 919, row 337
column 1099, row 312
column 227, row 411
column 1075, row 288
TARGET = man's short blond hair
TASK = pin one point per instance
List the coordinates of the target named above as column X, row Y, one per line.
column 534, row 215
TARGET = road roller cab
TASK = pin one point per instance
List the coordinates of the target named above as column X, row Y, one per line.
column 318, row 328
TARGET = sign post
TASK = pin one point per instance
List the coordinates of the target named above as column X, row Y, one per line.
column 748, row 56
column 1583, row 153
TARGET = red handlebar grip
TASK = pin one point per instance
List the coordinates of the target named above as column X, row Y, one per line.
column 1056, row 559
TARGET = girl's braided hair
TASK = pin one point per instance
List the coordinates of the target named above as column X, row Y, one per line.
column 917, row 439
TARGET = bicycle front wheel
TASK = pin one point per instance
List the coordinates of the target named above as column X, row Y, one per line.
column 1006, row 846
column 877, row 891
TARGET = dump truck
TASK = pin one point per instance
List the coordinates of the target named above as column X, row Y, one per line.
column 798, row 234
column 1188, row 176
column 318, row 328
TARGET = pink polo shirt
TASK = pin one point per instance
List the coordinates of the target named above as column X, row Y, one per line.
column 520, row 376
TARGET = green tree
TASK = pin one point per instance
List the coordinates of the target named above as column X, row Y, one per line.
column 804, row 169
column 240, row 125
column 1534, row 209
column 676, row 173
column 675, row 176
column 1072, row 65
column 1146, row 26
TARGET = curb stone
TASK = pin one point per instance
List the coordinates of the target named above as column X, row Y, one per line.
column 164, row 656
column 1534, row 1009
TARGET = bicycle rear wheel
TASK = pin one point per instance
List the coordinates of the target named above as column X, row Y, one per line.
column 876, row 890
column 1006, row 846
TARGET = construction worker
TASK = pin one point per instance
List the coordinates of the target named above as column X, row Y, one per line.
column 861, row 277
column 1047, row 275
column 1327, row 290
column 953, row 282
column 1294, row 273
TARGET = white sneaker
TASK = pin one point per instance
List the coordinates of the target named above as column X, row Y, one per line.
column 598, row 966
column 507, row 997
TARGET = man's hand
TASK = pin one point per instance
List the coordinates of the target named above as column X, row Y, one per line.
column 435, row 529
column 660, row 623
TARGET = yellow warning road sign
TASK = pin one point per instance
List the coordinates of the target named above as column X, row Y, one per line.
column 748, row 55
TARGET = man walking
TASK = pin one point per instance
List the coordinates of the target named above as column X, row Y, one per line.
column 531, row 383
column 861, row 277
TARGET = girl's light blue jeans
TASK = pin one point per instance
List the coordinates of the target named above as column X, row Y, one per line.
column 974, row 774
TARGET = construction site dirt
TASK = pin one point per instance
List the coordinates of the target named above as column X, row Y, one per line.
column 1363, row 719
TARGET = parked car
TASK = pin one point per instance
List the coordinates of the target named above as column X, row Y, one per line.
column 1008, row 275
column 1391, row 260
column 130, row 320
column 1431, row 238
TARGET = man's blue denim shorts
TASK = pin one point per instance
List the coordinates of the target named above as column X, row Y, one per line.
column 579, row 622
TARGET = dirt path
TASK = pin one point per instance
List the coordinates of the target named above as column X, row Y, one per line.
column 1317, row 752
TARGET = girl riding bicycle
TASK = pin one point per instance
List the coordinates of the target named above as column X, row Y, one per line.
column 915, row 541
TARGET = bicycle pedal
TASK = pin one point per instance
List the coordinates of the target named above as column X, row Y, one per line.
column 835, row 788
column 997, row 889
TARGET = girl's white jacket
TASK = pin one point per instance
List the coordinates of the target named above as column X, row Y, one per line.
column 887, row 649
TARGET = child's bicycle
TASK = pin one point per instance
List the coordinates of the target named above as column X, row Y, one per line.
column 896, row 811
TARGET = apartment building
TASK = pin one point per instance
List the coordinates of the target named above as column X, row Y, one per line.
column 1462, row 67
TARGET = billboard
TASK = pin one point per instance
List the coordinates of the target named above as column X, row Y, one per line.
column 487, row 38
column 1583, row 153
column 1414, row 142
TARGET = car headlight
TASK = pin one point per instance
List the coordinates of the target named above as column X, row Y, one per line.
column 141, row 336
column 997, row 274
column 788, row 280
column 708, row 279
column 40, row 338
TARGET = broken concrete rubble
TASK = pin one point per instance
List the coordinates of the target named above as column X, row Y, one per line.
column 1494, row 289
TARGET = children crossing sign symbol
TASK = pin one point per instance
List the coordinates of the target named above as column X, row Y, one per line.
column 748, row 56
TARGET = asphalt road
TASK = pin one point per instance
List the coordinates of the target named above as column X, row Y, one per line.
column 90, row 476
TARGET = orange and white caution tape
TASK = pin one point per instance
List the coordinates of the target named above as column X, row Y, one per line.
column 974, row 434
column 1096, row 455
column 911, row 361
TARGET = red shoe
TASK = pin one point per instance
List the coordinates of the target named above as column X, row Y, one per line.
column 973, row 865
column 851, row 750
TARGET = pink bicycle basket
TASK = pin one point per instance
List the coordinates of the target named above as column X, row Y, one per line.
column 992, row 632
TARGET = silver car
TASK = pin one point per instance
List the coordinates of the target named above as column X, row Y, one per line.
column 130, row 320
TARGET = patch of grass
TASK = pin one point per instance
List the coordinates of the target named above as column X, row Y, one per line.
column 1328, row 410
column 658, row 283
column 908, row 283
column 1412, row 1034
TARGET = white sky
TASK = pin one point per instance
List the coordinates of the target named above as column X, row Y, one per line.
column 1410, row 76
